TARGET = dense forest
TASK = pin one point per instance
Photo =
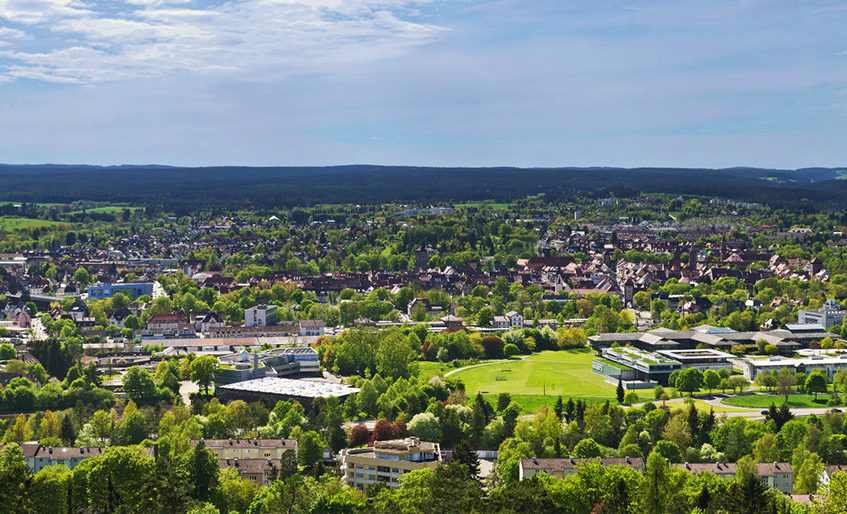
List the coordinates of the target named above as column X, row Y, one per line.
column 187, row 188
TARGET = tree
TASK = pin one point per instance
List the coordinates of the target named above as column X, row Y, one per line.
column 620, row 391
column 503, row 401
column 121, row 480
column 587, row 448
column 139, row 384
column 510, row 350
column 655, row 484
column 394, row 356
column 204, row 470
column 484, row 317
column 359, row 435
column 15, row 477
column 81, row 277
column 7, row 351
column 816, row 383
column 426, row 427
column 689, row 380
column 465, row 454
column 808, row 476
column 668, row 450
column 785, row 383
column 310, row 449
column 711, row 380
column 203, row 371
column 835, row 499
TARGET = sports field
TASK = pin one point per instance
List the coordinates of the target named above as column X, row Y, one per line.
column 580, row 355
column 536, row 377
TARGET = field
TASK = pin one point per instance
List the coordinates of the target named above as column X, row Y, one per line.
column 427, row 368
column 492, row 206
column 764, row 401
column 536, row 377
column 107, row 209
column 580, row 355
column 19, row 223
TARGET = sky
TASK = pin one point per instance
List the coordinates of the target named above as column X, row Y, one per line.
column 678, row 83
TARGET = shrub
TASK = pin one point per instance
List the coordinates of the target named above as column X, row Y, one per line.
column 631, row 397
column 510, row 350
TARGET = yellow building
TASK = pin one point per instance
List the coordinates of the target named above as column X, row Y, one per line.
column 387, row 461
column 249, row 448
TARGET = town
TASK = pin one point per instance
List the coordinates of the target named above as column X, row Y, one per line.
column 685, row 350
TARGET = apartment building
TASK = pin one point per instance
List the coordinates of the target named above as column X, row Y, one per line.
column 387, row 461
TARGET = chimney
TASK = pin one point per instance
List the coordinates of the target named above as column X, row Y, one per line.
column 236, row 462
column 627, row 460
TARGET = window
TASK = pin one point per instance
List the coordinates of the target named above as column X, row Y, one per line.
column 267, row 453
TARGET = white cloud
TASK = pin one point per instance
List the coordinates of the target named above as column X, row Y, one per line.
column 10, row 33
column 254, row 38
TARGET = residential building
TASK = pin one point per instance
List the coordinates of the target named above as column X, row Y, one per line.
column 311, row 327
column 561, row 468
column 510, row 320
column 387, row 461
column 254, row 470
column 776, row 475
column 249, row 449
column 260, row 316
column 165, row 321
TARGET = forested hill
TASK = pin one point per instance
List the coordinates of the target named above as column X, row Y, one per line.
column 233, row 186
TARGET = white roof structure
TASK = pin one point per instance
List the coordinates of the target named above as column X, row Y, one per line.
column 290, row 387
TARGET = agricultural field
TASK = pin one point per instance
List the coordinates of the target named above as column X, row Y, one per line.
column 535, row 377
column 21, row 223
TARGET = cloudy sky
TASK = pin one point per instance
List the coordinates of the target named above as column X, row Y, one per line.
column 713, row 83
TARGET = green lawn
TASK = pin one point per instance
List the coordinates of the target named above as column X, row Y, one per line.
column 703, row 406
column 534, row 377
column 107, row 209
column 492, row 206
column 532, row 402
column 580, row 355
column 764, row 401
column 19, row 223
column 427, row 368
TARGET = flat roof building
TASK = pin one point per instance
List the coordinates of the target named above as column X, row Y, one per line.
column 274, row 389
column 829, row 365
column 387, row 461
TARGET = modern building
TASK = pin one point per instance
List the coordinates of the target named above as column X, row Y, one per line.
column 787, row 341
column 704, row 359
column 260, row 316
column 561, row 468
column 274, row 389
column 294, row 362
column 829, row 365
column 387, row 461
column 104, row 290
column 830, row 314
column 648, row 367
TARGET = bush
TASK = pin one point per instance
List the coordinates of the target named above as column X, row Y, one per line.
column 630, row 398
column 510, row 350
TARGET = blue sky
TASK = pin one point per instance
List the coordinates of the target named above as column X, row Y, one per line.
column 712, row 83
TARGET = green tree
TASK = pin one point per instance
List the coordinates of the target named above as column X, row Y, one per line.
column 655, row 494
column 81, row 277
column 121, row 480
column 310, row 448
column 816, row 383
column 689, row 380
column 711, row 380
column 203, row 370
column 204, row 471
column 139, row 384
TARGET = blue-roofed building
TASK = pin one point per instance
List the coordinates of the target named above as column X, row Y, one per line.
column 131, row 289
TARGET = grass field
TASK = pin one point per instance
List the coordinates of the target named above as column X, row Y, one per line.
column 19, row 223
column 764, row 401
column 427, row 368
column 492, row 206
column 580, row 355
column 703, row 406
column 532, row 402
column 536, row 377
column 107, row 209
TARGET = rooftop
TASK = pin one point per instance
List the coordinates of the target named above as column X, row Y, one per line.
column 289, row 387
